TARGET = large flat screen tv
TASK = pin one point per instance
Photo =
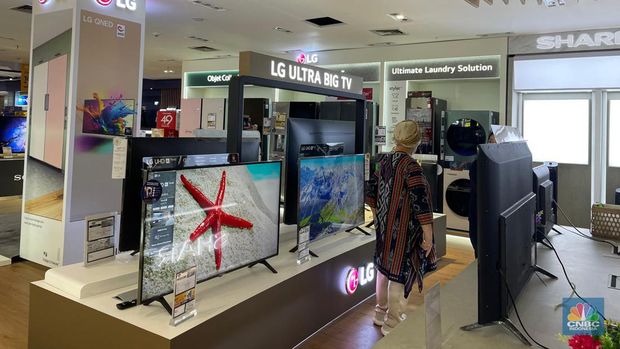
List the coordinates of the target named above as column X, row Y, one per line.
column 506, row 209
column 13, row 133
column 302, row 132
column 139, row 148
column 218, row 218
column 331, row 194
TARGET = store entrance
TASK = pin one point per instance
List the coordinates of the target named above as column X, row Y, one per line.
column 580, row 131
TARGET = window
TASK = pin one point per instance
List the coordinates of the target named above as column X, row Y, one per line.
column 558, row 129
column 614, row 133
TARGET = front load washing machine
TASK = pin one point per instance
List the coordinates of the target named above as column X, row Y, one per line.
column 464, row 130
column 456, row 189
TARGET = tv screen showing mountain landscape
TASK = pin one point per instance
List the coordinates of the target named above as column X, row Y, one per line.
column 331, row 194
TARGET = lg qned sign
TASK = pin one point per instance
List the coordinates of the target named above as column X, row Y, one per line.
column 113, row 117
column 13, row 133
column 218, row 218
column 331, row 194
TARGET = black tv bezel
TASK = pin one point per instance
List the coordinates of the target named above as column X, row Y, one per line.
column 139, row 299
column 299, row 192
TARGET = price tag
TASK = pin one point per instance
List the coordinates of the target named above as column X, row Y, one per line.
column 119, row 158
column 184, row 304
column 100, row 238
column 303, row 250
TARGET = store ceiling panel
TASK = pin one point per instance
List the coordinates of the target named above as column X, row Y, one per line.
column 231, row 26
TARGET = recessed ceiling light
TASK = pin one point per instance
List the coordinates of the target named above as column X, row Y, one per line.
column 156, row 34
column 399, row 17
column 342, row 71
column 11, row 79
column 209, row 5
column 387, row 43
column 198, row 19
column 283, row 30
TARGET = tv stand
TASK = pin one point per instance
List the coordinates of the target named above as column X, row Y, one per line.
column 163, row 302
column 359, row 229
column 266, row 264
column 294, row 249
column 504, row 323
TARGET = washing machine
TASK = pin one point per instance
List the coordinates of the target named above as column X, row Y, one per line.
column 464, row 130
column 456, row 192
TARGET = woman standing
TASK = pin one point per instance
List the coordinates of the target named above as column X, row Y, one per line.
column 400, row 200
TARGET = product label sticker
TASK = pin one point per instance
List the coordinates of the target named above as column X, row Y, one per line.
column 366, row 167
column 119, row 158
column 303, row 250
column 184, row 304
column 151, row 191
column 100, row 241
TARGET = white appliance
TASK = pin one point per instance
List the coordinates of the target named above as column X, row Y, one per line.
column 456, row 192
column 201, row 113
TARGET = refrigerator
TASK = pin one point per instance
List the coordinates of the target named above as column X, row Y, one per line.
column 426, row 110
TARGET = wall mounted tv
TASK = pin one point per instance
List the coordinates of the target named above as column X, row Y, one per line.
column 331, row 194
column 13, row 133
column 302, row 132
column 218, row 218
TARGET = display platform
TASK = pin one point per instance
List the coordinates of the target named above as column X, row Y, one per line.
column 248, row 308
column 589, row 265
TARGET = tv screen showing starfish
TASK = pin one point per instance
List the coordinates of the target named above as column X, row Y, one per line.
column 218, row 218
column 331, row 194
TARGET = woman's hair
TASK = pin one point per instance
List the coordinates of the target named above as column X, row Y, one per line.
column 407, row 134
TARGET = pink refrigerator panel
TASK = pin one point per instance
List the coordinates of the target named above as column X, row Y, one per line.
column 55, row 121
column 191, row 110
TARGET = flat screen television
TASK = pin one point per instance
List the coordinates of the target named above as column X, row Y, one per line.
column 303, row 132
column 506, row 208
column 543, row 188
column 137, row 149
column 331, row 194
column 112, row 117
column 13, row 132
column 219, row 219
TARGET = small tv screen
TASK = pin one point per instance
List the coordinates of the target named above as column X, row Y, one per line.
column 113, row 117
column 331, row 194
column 217, row 218
column 21, row 100
column 13, row 131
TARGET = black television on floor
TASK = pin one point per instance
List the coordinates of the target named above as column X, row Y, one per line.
column 506, row 226
column 302, row 132
column 544, row 188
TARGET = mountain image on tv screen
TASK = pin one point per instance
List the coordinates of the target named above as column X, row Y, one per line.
column 331, row 194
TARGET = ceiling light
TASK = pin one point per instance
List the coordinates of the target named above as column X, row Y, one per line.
column 554, row 3
column 342, row 71
column 387, row 43
column 11, row 79
column 280, row 29
column 198, row 19
column 474, row 3
column 209, row 5
column 193, row 37
column 399, row 17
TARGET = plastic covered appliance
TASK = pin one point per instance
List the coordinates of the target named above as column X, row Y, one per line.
column 456, row 192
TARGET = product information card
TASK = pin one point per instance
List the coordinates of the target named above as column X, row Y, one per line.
column 100, row 233
column 184, row 306
column 119, row 158
column 303, row 250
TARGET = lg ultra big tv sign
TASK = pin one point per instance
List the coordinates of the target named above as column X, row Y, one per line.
column 122, row 4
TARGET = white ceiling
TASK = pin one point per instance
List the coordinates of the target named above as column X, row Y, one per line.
column 248, row 25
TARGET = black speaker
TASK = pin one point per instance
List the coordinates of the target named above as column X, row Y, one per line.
column 617, row 196
column 553, row 175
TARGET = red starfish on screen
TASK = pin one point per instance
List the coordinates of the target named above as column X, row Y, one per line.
column 216, row 217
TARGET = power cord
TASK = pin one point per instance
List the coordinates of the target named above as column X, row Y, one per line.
column 570, row 283
column 514, row 305
column 578, row 232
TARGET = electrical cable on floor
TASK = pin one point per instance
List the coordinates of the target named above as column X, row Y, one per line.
column 578, row 232
column 572, row 284
column 514, row 305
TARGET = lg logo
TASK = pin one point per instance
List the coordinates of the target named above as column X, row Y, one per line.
column 303, row 58
column 124, row 4
column 359, row 277
column 42, row 2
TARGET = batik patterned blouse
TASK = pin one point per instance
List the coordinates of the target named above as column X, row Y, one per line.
column 400, row 194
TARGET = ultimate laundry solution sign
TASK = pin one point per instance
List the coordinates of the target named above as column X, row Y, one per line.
column 448, row 68
column 262, row 66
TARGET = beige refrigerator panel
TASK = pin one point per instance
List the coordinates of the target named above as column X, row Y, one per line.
column 55, row 121
column 190, row 116
column 38, row 112
column 213, row 112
